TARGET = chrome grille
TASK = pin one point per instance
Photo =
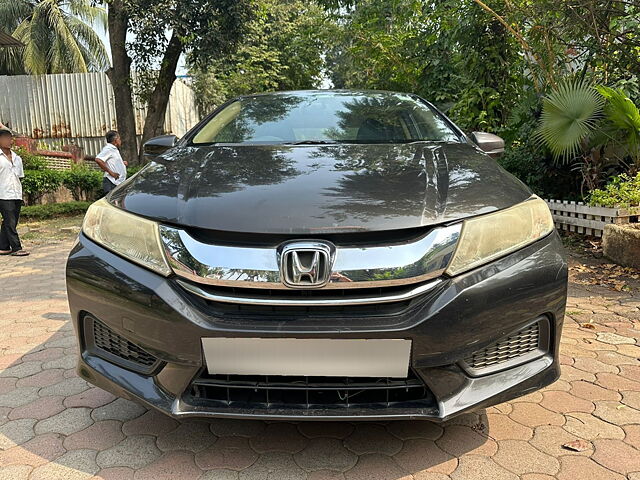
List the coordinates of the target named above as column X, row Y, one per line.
column 509, row 349
column 110, row 342
column 408, row 263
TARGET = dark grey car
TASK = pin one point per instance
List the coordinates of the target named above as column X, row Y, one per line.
column 316, row 255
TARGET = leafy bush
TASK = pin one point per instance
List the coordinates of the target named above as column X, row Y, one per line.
column 83, row 182
column 31, row 161
column 623, row 191
column 133, row 169
column 37, row 183
column 49, row 210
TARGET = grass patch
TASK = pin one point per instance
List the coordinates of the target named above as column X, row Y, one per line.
column 49, row 231
column 52, row 210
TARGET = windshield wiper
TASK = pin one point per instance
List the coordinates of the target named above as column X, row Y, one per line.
column 312, row 142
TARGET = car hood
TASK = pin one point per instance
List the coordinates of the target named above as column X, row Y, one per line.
column 319, row 189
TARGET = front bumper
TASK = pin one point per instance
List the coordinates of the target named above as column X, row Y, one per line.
column 446, row 325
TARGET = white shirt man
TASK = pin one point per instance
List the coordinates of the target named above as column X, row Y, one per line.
column 11, row 171
column 110, row 161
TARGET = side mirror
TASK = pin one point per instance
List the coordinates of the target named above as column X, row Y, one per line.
column 157, row 146
column 489, row 143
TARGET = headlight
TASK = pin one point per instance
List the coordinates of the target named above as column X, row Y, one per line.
column 491, row 236
column 133, row 237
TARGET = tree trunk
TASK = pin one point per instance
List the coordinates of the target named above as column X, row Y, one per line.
column 159, row 98
column 120, row 76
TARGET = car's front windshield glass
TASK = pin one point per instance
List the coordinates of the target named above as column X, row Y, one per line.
column 325, row 117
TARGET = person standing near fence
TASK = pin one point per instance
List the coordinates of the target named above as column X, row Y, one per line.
column 11, row 172
column 111, row 163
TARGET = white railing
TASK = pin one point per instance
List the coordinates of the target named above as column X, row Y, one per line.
column 580, row 218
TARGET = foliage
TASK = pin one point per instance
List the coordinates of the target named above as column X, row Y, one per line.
column 570, row 115
column 451, row 53
column 597, row 125
column 529, row 160
column 622, row 128
column 281, row 50
column 563, row 37
column 50, row 210
column 83, row 182
column 491, row 71
column 486, row 62
column 201, row 40
column 58, row 36
column 623, row 191
column 37, row 183
column 133, row 169
column 30, row 160
column 154, row 35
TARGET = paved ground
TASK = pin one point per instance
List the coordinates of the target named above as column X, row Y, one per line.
column 53, row 425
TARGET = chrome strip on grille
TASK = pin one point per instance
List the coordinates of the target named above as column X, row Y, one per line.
column 354, row 267
column 311, row 302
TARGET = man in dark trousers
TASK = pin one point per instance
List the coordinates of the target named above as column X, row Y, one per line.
column 11, row 172
column 111, row 163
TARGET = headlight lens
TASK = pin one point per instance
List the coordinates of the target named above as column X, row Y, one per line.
column 491, row 236
column 133, row 237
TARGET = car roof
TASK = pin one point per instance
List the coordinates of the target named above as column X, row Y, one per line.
column 328, row 90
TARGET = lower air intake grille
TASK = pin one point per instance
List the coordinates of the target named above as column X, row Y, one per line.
column 521, row 346
column 106, row 343
column 272, row 394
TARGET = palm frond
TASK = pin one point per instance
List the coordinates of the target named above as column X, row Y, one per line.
column 13, row 12
column 11, row 61
column 34, row 37
column 57, row 34
column 88, row 12
column 96, row 53
column 623, row 118
column 68, row 44
column 570, row 115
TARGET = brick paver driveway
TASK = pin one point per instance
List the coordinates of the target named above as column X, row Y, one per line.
column 53, row 425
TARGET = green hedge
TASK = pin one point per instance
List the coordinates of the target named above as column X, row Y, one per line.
column 50, row 210
column 83, row 182
column 30, row 160
column 37, row 183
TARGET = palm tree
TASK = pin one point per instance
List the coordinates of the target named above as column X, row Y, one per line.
column 596, row 127
column 58, row 36
column 578, row 117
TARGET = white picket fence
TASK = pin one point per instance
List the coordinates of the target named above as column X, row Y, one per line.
column 588, row 220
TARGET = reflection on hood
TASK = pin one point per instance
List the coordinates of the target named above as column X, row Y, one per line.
column 316, row 189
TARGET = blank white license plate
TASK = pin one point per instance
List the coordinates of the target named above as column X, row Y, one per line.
column 307, row 356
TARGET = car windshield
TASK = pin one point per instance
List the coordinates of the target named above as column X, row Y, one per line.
column 325, row 117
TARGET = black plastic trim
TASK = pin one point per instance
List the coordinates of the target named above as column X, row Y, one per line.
column 92, row 349
column 544, row 345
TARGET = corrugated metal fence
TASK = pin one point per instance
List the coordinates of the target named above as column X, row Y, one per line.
column 79, row 108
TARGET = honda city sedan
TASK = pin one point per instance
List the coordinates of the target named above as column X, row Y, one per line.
column 320, row 255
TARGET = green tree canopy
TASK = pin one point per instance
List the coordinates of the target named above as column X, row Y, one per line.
column 283, row 49
column 164, row 30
